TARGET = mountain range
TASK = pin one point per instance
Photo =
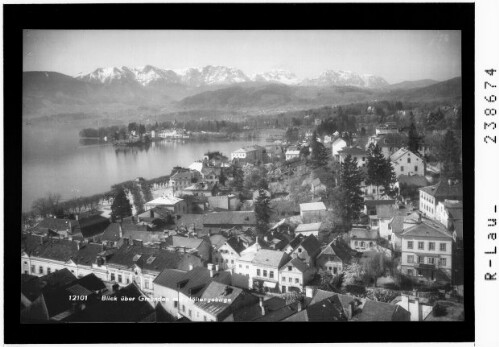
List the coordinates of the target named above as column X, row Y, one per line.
column 125, row 90
column 223, row 75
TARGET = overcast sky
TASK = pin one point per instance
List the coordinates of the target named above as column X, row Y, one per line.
column 396, row 55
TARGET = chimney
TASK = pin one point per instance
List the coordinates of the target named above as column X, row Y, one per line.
column 417, row 310
column 299, row 307
column 262, row 307
column 217, row 267
column 151, row 213
column 77, row 216
column 78, row 245
column 190, row 267
column 120, row 230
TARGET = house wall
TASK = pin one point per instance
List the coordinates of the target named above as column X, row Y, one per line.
column 245, row 268
column 427, row 204
column 225, row 257
column 436, row 254
column 362, row 245
column 302, row 254
column 171, row 299
column 312, row 216
column 338, row 145
column 333, row 267
column 408, row 164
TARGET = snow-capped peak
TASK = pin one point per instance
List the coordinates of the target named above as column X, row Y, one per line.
column 278, row 76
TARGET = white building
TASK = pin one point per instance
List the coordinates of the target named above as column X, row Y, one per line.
column 307, row 229
column 405, row 162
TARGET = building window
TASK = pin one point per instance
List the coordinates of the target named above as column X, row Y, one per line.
column 32, row 269
column 356, row 243
column 290, row 268
column 335, row 270
column 40, row 269
column 183, row 308
column 297, row 280
column 410, row 272
column 443, row 247
column 205, row 318
column 410, row 259
column 431, row 246
column 431, row 260
column 374, row 222
column 25, row 263
column 299, row 250
column 190, row 313
column 48, row 270
column 113, row 277
column 421, row 260
column 127, row 280
column 408, row 160
column 258, row 272
column 415, row 168
column 271, row 274
column 420, row 245
column 264, row 273
column 402, row 168
column 240, row 266
column 410, row 244
column 284, row 279
column 362, row 244
column 232, row 261
column 120, row 278
column 146, row 284
column 175, row 304
column 442, row 262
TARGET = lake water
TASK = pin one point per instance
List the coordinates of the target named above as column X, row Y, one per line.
column 56, row 161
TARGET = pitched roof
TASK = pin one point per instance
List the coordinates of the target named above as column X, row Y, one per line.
column 312, row 206
column 152, row 259
column 397, row 224
column 93, row 225
column 54, row 224
column 363, row 234
column 378, row 311
column 371, row 203
column 252, row 312
column 91, row 282
column 87, row 254
column 352, row 151
column 49, row 248
column 400, row 153
column 427, row 228
column 308, row 227
column 278, row 314
column 218, row 297
column 182, row 175
column 442, row 190
column 412, row 180
column 112, row 232
column 230, row 218
column 385, row 211
column 298, row 264
column 327, row 310
column 165, row 200
column 235, row 244
column 217, row 241
column 188, row 242
column 111, row 311
column 191, row 219
column 269, row 258
column 311, row 244
column 32, row 286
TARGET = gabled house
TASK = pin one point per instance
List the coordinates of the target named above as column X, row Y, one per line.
column 307, row 250
column 430, row 196
column 355, row 152
column 228, row 253
column 312, row 212
column 308, row 229
column 380, row 213
column 229, row 219
column 337, row 145
column 329, row 261
column 295, row 275
column 405, row 162
column 427, row 251
column 376, row 311
column 192, row 245
column 173, row 204
column 363, row 239
column 265, row 269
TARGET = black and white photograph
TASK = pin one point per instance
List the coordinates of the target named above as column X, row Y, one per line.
column 245, row 175
column 242, row 176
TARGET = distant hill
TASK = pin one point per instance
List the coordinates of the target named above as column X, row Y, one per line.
column 450, row 91
column 412, row 84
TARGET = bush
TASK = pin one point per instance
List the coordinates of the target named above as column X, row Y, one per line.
column 439, row 310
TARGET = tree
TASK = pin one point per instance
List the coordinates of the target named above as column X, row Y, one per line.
column 237, row 178
column 350, row 179
column 292, row 135
column 48, row 205
column 222, row 178
column 449, row 154
column 121, row 206
column 374, row 265
column 413, row 139
column 304, row 152
column 379, row 169
column 262, row 212
column 319, row 155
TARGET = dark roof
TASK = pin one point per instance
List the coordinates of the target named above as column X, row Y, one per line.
column 235, row 244
column 230, row 218
column 190, row 220
column 117, row 311
column 32, row 286
column 397, row 224
column 363, row 234
column 152, row 259
column 297, row 263
column 55, row 224
column 442, row 190
column 91, row 282
column 413, row 180
column 380, row 311
column 327, row 310
column 93, row 225
column 112, row 231
column 392, row 140
column 87, row 254
column 49, row 248
column 370, row 203
column 352, row 151
column 279, row 314
column 311, row 244
column 252, row 312
column 324, row 258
